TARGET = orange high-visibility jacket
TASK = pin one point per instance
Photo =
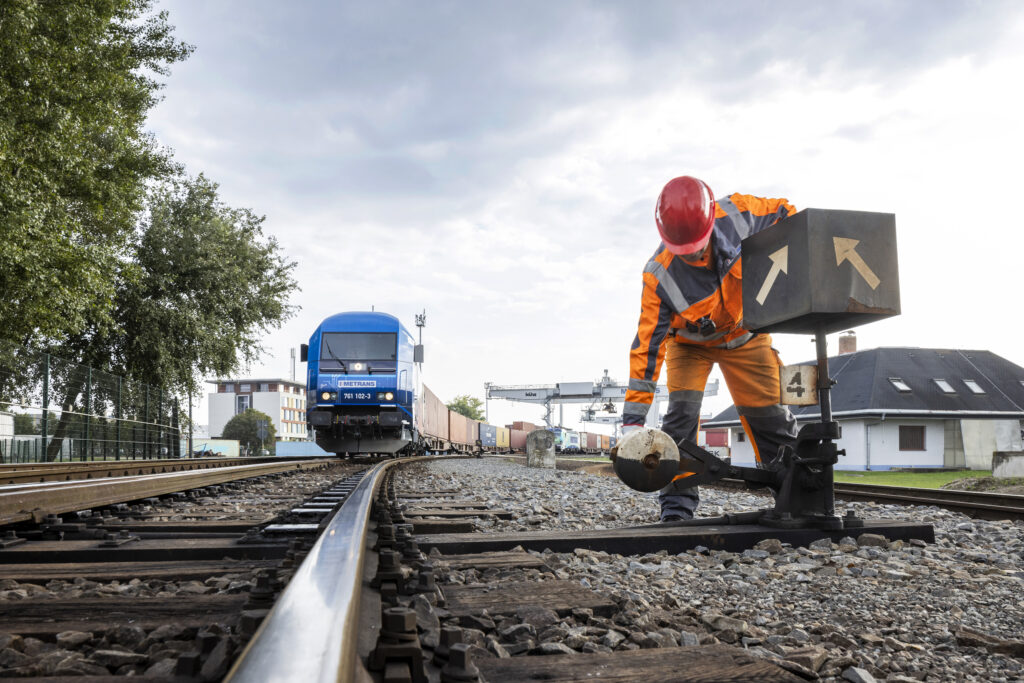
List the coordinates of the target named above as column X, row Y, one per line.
column 679, row 299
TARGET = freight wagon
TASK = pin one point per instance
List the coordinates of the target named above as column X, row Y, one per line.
column 364, row 395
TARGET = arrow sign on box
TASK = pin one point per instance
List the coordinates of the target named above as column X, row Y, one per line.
column 846, row 250
column 780, row 263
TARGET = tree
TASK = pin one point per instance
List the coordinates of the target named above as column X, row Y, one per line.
column 246, row 428
column 77, row 81
column 467, row 405
column 25, row 423
column 197, row 291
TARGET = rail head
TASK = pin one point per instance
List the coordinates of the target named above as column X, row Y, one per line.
column 311, row 634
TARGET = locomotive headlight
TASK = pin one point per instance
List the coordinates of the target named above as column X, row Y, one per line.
column 389, row 396
column 358, row 367
column 326, row 396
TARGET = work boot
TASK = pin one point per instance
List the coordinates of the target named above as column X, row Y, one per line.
column 676, row 517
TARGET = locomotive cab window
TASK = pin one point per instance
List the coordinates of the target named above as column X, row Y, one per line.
column 346, row 346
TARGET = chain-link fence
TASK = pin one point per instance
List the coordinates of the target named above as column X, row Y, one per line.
column 56, row 410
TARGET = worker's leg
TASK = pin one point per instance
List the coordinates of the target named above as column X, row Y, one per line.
column 687, row 368
column 752, row 375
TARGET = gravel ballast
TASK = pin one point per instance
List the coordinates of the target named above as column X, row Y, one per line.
column 858, row 610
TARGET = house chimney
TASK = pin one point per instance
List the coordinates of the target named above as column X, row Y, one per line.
column 848, row 342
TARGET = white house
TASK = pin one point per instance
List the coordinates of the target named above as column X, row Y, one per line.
column 283, row 400
column 913, row 407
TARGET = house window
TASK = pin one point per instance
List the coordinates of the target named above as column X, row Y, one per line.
column 264, row 387
column 974, row 386
column 911, row 437
column 244, row 387
column 242, row 403
column 229, row 388
column 899, row 384
column 946, row 387
column 741, row 436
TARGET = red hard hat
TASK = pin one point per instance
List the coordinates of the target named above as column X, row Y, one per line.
column 685, row 214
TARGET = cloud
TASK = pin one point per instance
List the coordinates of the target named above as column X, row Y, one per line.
column 497, row 163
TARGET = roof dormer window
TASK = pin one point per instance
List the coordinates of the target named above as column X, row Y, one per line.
column 974, row 386
column 946, row 387
column 899, row 385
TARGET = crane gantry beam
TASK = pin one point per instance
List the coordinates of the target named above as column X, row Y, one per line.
column 605, row 391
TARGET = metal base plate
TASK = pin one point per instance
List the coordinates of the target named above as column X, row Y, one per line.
column 672, row 537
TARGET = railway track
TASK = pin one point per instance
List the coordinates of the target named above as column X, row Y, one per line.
column 377, row 579
column 382, row 615
column 168, row 587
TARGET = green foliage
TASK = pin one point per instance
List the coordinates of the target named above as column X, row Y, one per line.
column 467, row 405
column 203, row 288
column 245, row 428
column 76, row 83
column 25, row 423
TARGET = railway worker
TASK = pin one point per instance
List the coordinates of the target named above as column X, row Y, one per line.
column 691, row 317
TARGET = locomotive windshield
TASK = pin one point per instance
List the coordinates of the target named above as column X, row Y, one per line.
column 347, row 346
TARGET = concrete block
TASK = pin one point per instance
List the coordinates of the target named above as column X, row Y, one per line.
column 540, row 449
column 1007, row 464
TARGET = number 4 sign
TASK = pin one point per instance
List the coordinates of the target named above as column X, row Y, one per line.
column 799, row 385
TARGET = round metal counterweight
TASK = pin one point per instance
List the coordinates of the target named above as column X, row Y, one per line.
column 646, row 460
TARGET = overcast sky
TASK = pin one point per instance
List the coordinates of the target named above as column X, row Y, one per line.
column 497, row 164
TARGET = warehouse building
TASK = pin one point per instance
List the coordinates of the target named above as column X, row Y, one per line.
column 912, row 408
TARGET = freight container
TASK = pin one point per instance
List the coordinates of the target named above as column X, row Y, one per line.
column 593, row 442
column 612, row 441
column 517, row 440
column 473, row 432
column 489, row 435
column 503, row 436
column 605, row 442
column 524, row 426
column 458, row 428
column 433, row 416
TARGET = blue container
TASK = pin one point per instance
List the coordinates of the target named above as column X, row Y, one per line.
column 488, row 435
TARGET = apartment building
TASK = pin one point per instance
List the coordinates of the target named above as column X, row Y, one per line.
column 283, row 400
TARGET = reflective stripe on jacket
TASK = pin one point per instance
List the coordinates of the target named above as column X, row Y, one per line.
column 677, row 296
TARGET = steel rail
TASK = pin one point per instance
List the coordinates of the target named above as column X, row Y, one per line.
column 311, row 634
column 33, row 502
column 973, row 503
column 69, row 471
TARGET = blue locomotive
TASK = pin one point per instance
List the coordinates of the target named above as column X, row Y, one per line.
column 362, row 384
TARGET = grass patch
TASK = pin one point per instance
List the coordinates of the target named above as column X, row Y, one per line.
column 924, row 480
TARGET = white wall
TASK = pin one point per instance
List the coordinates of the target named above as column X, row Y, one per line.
column 881, row 452
column 885, row 445
column 981, row 437
column 269, row 402
column 221, row 409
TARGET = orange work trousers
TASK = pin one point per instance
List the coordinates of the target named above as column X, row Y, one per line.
column 751, row 372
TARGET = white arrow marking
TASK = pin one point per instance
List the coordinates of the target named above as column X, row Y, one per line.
column 780, row 262
column 846, row 250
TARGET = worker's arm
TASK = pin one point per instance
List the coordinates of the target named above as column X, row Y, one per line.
column 763, row 212
column 647, row 352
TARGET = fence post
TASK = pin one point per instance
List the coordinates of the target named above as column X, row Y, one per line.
column 145, row 426
column 175, row 431
column 87, row 452
column 117, row 417
column 45, row 420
